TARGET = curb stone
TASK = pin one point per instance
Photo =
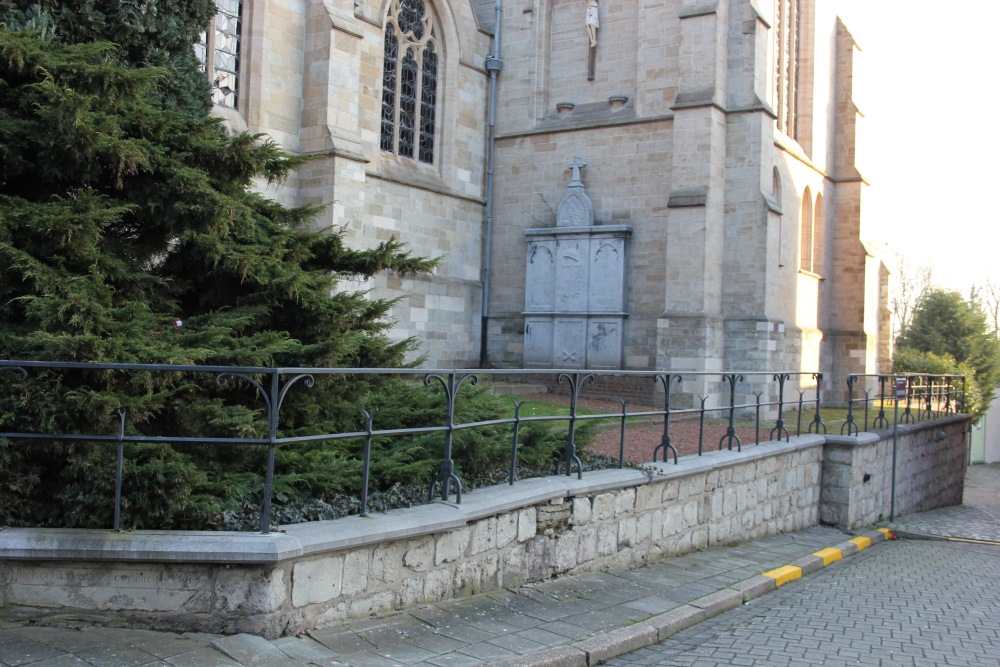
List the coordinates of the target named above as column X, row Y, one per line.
column 596, row 650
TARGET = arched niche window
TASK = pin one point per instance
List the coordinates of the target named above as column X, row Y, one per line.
column 806, row 232
column 218, row 51
column 786, row 60
column 818, row 235
column 409, row 81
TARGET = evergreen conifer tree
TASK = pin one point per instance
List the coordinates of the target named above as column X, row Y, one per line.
column 950, row 335
column 147, row 33
column 119, row 216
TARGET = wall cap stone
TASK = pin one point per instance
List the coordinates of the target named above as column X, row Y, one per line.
column 185, row 546
column 719, row 460
column 303, row 539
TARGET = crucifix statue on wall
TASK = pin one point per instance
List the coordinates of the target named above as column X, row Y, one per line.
column 593, row 23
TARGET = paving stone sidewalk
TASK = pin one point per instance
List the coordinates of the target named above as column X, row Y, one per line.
column 978, row 518
column 521, row 626
column 570, row 621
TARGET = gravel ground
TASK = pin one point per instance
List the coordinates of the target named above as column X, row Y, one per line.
column 643, row 436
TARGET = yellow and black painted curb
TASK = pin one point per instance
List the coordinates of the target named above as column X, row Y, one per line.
column 820, row 559
column 598, row 649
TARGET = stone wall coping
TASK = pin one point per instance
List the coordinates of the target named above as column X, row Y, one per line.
column 584, row 230
column 867, row 437
column 718, row 460
column 858, row 440
column 296, row 540
column 187, row 546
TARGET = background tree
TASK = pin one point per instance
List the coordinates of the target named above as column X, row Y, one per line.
column 909, row 284
column 990, row 292
column 947, row 329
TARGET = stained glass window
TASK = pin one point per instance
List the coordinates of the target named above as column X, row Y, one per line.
column 218, row 50
column 409, row 81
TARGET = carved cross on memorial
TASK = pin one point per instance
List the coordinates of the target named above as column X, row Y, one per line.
column 576, row 165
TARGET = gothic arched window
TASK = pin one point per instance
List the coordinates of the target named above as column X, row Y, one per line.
column 409, row 81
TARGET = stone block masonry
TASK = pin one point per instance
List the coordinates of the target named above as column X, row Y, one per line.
column 310, row 575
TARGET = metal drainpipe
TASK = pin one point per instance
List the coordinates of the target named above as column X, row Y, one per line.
column 493, row 65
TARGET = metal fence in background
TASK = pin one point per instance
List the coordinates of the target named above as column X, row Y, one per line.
column 874, row 398
column 739, row 402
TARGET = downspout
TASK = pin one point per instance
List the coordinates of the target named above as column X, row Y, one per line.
column 493, row 65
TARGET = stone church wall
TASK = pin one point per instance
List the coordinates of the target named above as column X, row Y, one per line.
column 685, row 142
column 313, row 83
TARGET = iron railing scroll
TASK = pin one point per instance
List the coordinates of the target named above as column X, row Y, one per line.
column 742, row 404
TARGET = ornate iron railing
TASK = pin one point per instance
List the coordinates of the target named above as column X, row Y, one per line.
column 918, row 397
column 746, row 404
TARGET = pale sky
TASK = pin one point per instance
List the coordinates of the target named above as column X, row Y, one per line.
column 932, row 132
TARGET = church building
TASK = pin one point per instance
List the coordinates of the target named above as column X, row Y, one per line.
column 627, row 184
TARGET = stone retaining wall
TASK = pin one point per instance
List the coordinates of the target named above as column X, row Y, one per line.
column 309, row 575
column 857, row 472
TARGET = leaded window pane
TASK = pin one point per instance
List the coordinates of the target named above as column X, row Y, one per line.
column 407, row 104
column 409, row 82
column 428, row 100
column 410, row 17
column 388, row 141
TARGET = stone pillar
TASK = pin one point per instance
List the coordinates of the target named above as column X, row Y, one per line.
column 690, row 332
column 847, row 346
column 334, row 45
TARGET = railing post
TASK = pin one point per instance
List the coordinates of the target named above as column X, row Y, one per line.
column 928, row 412
column 513, row 445
column 701, row 425
column 779, row 426
column 621, row 445
column 569, row 453
column 367, row 463
column 665, row 444
column 798, row 419
column 446, row 473
column 907, row 416
column 817, row 421
column 119, row 467
column 730, row 436
column 881, row 420
column 272, row 402
column 849, row 425
column 756, row 416
column 272, row 444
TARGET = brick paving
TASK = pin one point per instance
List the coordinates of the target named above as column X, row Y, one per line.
column 977, row 518
column 909, row 602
